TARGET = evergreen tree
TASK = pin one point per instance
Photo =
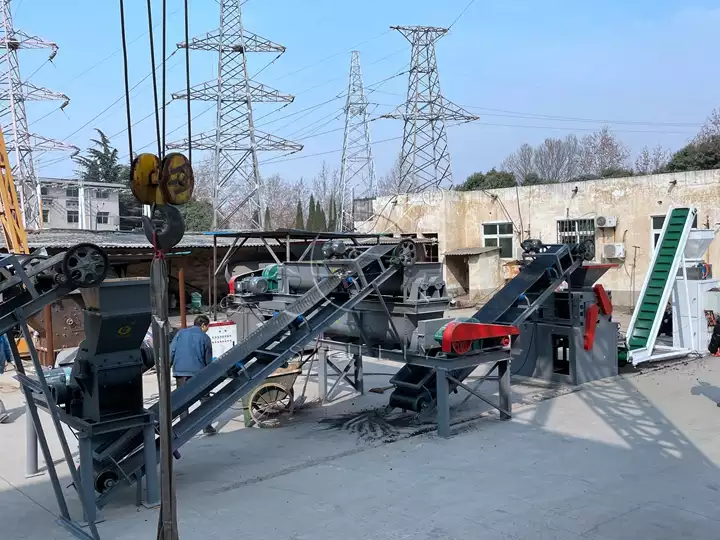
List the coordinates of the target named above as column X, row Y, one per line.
column 268, row 225
column 311, row 215
column 299, row 220
column 321, row 221
column 332, row 215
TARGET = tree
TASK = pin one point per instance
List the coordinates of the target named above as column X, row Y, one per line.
column 696, row 156
column 648, row 162
column 266, row 220
column 321, row 223
column 310, row 226
column 603, row 151
column 521, row 163
column 197, row 215
column 332, row 215
column 101, row 164
column 299, row 220
column 493, row 179
column 557, row 160
column 710, row 129
column 616, row 172
column 390, row 183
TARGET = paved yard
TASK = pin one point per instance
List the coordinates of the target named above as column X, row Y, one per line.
column 635, row 457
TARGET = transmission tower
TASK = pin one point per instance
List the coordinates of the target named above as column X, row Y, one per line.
column 425, row 159
column 357, row 174
column 235, row 140
column 14, row 92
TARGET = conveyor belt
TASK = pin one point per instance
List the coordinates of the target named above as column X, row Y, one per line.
column 264, row 351
column 536, row 281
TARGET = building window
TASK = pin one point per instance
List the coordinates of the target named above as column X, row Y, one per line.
column 103, row 218
column 575, row 231
column 102, row 194
column 72, row 203
column 499, row 235
column 44, row 190
column 46, row 201
column 71, row 192
column 73, row 216
column 46, row 216
column 656, row 225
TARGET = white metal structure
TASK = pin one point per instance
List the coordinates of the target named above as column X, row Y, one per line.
column 651, row 351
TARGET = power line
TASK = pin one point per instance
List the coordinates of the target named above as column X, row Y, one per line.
column 461, row 14
column 517, row 114
column 334, row 55
column 118, row 100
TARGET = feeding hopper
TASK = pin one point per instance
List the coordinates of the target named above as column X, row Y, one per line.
column 588, row 274
column 698, row 242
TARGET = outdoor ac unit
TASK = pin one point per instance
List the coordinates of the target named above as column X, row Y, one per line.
column 609, row 222
column 614, row 251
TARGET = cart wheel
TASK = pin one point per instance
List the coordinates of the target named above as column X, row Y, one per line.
column 268, row 402
column 85, row 265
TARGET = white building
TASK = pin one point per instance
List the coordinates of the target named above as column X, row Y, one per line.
column 73, row 204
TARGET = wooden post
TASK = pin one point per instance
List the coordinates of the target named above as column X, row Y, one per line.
column 181, row 294
column 49, row 336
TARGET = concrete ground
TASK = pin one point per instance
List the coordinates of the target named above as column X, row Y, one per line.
column 632, row 457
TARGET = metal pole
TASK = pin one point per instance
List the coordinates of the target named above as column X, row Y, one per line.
column 443, row 405
column 213, row 294
column 322, row 374
column 49, row 336
column 167, row 520
column 31, row 445
column 181, row 293
column 152, row 487
column 504, row 394
column 86, row 477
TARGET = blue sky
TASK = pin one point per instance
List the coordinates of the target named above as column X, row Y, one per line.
column 633, row 65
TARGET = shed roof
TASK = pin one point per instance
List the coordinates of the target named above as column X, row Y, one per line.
column 65, row 238
column 471, row 251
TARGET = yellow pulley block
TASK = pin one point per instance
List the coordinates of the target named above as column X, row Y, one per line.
column 144, row 179
column 176, row 179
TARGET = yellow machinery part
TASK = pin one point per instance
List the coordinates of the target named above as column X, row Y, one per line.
column 144, row 178
column 176, row 179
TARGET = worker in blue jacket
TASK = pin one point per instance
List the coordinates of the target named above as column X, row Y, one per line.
column 190, row 352
column 5, row 358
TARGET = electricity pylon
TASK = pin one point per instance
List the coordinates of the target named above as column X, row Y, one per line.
column 14, row 92
column 425, row 159
column 357, row 171
column 235, row 140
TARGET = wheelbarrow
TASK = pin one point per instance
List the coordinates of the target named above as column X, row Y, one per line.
column 272, row 398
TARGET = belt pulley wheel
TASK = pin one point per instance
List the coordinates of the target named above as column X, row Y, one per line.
column 105, row 481
column 461, row 347
column 406, row 252
column 85, row 265
column 144, row 179
column 176, row 179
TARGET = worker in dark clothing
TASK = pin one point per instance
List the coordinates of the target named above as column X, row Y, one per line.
column 190, row 352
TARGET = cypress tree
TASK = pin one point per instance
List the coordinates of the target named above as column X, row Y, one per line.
column 268, row 225
column 299, row 220
column 311, row 215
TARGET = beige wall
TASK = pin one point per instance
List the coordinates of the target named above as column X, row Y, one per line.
column 457, row 217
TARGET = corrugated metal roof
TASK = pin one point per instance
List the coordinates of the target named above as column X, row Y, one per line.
column 65, row 238
column 472, row 251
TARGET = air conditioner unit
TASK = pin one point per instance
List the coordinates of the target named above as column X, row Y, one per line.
column 614, row 251
column 609, row 222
